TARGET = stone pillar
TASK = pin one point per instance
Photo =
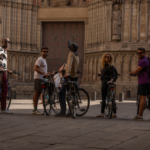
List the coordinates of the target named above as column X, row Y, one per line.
column 29, row 7
column 23, row 66
column 39, row 36
column 17, row 66
column 94, row 68
column 147, row 19
column 8, row 23
column 1, row 21
column 138, row 19
column 19, row 20
column 86, row 68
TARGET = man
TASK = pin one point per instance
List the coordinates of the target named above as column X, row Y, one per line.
column 71, row 69
column 143, row 81
column 40, row 69
column 3, row 53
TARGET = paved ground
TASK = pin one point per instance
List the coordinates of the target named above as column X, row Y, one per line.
column 23, row 131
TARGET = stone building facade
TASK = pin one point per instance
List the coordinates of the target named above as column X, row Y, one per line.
column 118, row 27
column 18, row 22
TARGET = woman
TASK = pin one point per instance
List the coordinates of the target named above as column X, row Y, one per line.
column 108, row 75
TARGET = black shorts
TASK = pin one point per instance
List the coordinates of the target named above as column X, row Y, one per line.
column 144, row 89
column 37, row 85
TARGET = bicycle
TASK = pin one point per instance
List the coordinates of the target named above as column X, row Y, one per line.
column 77, row 98
column 9, row 92
column 110, row 104
column 50, row 96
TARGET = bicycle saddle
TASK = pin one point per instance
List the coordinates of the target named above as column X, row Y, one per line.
column 112, row 83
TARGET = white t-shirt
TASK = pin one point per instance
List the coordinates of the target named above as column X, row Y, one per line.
column 3, row 58
column 41, row 62
column 57, row 80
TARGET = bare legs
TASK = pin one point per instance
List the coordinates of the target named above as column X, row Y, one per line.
column 35, row 99
column 142, row 105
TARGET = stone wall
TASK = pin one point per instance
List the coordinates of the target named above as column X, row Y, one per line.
column 18, row 22
column 119, row 28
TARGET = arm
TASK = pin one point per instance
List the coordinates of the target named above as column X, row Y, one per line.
column 136, row 71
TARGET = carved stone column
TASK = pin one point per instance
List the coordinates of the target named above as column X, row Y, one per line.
column 8, row 23
column 116, row 24
column 39, row 35
column 19, row 20
column 29, row 7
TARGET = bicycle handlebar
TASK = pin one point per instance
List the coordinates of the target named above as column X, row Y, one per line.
column 16, row 73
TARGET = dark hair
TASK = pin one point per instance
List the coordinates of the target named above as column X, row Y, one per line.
column 142, row 49
column 44, row 48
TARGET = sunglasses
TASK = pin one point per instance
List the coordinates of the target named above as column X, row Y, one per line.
column 107, row 56
column 7, row 41
column 45, row 51
column 139, row 53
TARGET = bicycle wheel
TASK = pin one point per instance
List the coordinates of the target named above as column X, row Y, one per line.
column 72, row 106
column 83, row 102
column 55, row 103
column 107, row 110
column 46, row 102
column 8, row 100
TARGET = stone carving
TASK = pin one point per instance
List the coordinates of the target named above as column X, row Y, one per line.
column 118, row 1
column 56, row 3
column 116, row 24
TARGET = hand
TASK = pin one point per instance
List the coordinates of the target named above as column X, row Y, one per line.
column 11, row 72
column 66, row 75
column 131, row 73
column 1, row 69
column 109, row 82
column 46, row 75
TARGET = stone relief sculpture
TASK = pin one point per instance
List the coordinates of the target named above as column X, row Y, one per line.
column 57, row 3
column 116, row 24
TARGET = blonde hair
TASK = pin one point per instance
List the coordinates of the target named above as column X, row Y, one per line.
column 103, row 60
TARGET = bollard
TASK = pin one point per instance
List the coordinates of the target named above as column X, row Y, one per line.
column 93, row 96
column 13, row 94
column 121, row 97
column 128, row 94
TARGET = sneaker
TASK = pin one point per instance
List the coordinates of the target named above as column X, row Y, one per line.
column 101, row 116
column 36, row 112
column 137, row 118
column 5, row 112
column 114, row 116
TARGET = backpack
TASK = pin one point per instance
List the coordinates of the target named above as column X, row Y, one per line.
column 112, row 68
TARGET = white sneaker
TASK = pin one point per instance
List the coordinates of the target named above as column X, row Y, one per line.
column 36, row 112
column 5, row 112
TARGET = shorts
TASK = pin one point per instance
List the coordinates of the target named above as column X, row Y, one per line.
column 37, row 85
column 144, row 89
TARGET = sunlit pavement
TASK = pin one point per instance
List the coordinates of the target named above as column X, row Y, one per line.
column 24, row 131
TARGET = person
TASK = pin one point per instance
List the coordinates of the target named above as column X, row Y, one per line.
column 108, row 75
column 40, row 70
column 3, row 52
column 71, row 69
column 143, row 81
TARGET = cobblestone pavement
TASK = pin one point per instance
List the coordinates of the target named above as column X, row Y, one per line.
column 23, row 131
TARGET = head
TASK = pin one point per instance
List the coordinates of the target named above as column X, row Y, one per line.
column 5, row 43
column 140, row 53
column 116, row 7
column 106, row 59
column 44, row 52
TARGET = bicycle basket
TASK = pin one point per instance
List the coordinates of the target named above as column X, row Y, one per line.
column 51, row 87
column 73, row 87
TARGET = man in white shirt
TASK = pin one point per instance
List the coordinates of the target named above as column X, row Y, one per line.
column 3, row 67
column 40, row 69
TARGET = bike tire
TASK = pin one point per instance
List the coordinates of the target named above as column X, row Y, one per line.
column 111, row 105
column 46, row 102
column 82, row 98
column 107, row 111
column 8, row 100
column 56, row 103
column 72, row 107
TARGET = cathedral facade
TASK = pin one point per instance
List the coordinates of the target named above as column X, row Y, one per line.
column 118, row 27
